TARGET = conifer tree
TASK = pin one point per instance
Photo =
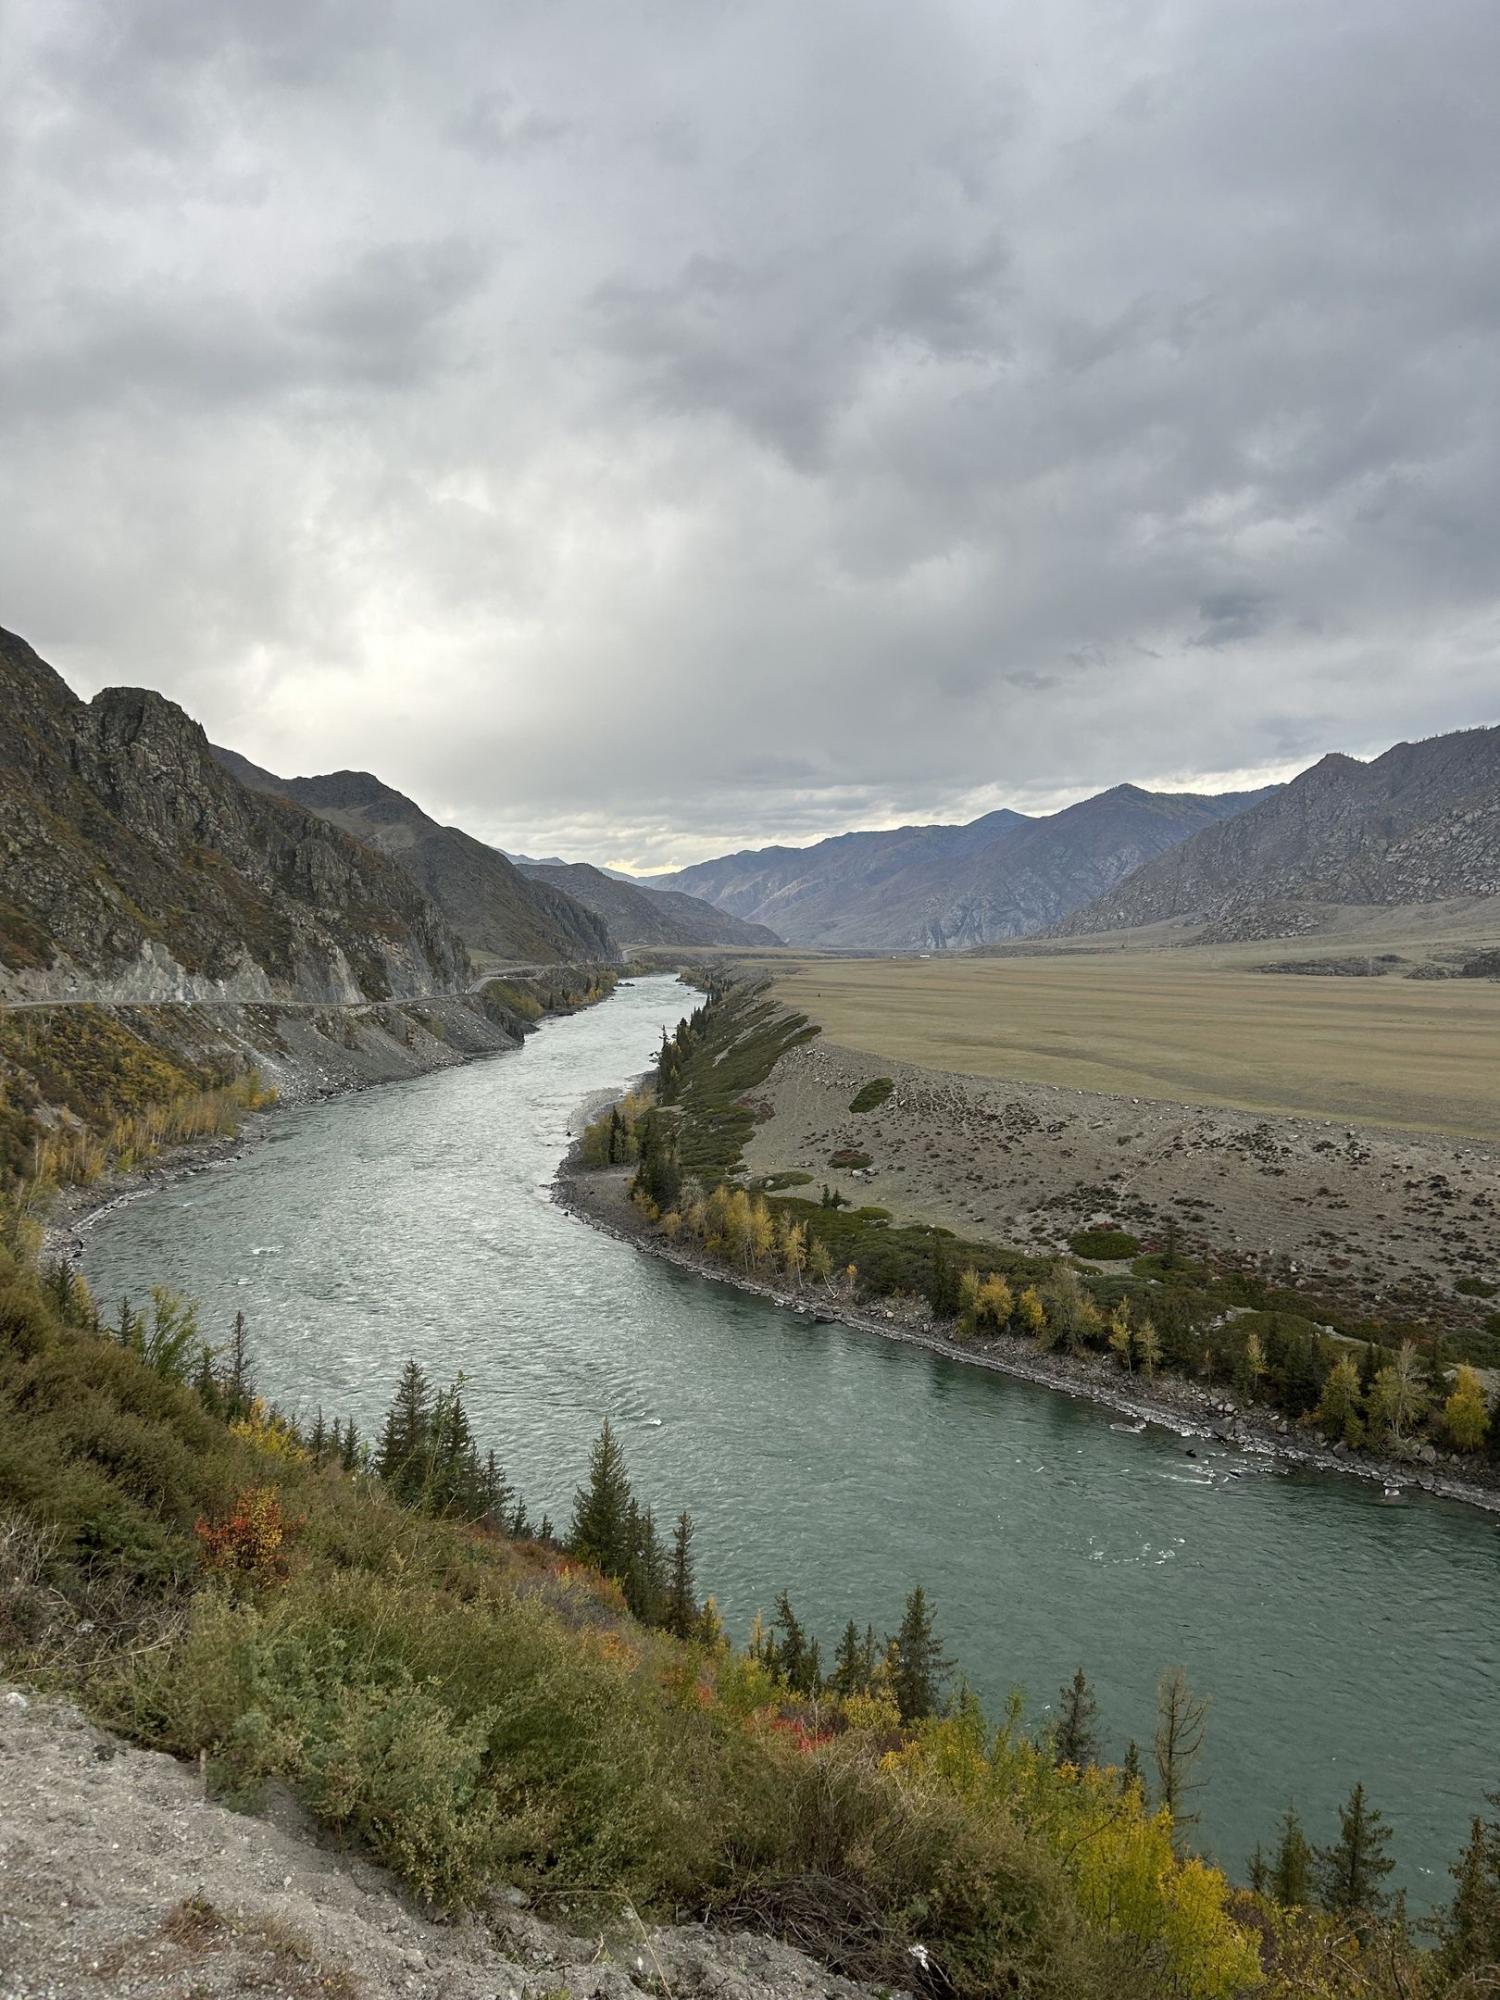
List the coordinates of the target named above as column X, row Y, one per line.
column 239, row 1389
column 942, row 1284
column 498, row 1497
column 1131, row 1772
column 792, row 1656
column 317, row 1442
column 1181, row 1723
column 1291, row 1869
column 1470, row 1927
column 1259, row 1871
column 918, row 1665
column 1073, row 1739
column 852, row 1665
column 646, row 1575
column 401, row 1458
column 206, row 1383
column 1339, row 1406
column 682, row 1614
column 600, row 1533
column 1351, row 1871
column 351, row 1451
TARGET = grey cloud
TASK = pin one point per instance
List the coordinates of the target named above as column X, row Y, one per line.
column 382, row 312
column 661, row 430
column 1231, row 615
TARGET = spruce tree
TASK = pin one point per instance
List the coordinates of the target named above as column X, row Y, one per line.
column 1291, row 1870
column 351, row 1451
column 681, row 1617
column 645, row 1579
column 401, row 1458
column 454, row 1477
column 497, row 1495
column 1470, row 1927
column 1073, row 1739
column 919, row 1667
column 1351, row 1871
column 207, row 1384
column 600, row 1533
column 1131, row 1773
column 239, row 1389
column 852, row 1666
column 792, row 1656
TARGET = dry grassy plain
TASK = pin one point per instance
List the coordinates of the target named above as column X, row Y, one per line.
column 1413, row 1054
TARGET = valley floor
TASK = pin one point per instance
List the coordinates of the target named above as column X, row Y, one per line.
column 1390, row 1219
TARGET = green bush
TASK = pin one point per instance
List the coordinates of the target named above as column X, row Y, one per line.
column 870, row 1096
column 849, row 1156
column 1104, row 1246
column 1476, row 1288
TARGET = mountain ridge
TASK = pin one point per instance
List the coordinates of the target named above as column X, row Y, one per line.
column 952, row 887
column 489, row 902
column 133, row 866
column 1418, row 824
column 638, row 915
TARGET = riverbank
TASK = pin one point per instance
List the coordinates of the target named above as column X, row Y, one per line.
column 601, row 1199
column 307, row 1055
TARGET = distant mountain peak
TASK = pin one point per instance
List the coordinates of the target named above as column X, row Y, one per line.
column 1418, row 824
column 951, row 887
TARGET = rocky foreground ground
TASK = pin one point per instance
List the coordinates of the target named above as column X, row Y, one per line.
column 121, row 1880
column 1394, row 1219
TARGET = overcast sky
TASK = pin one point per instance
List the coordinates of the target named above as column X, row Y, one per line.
column 642, row 430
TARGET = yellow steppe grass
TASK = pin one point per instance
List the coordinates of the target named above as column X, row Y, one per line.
column 1415, row 1054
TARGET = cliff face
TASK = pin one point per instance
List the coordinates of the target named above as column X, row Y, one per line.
column 133, row 866
column 1417, row 825
column 493, row 906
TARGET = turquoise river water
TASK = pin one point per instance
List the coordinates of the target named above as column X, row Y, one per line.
column 1340, row 1636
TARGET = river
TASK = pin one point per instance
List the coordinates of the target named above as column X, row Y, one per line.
column 1340, row 1636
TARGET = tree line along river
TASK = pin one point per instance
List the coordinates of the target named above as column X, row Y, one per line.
column 1339, row 1635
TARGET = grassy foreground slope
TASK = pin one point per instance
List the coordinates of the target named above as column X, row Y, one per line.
column 1395, row 1052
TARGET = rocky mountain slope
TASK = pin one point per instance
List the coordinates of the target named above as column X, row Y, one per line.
column 647, row 915
column 944, row 888
column 1417, row 825
column 133, row 866
column 493, row 906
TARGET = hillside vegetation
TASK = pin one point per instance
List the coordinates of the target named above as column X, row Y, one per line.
column 478, row 1709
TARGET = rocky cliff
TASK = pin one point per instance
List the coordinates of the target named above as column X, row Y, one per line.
column 494, row 907
column 1418, row 825
column 133, row 866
